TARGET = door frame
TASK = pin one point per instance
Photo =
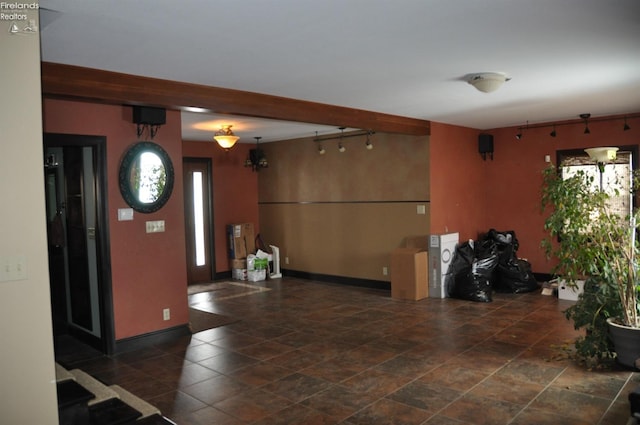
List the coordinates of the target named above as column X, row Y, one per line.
column 209, row 206
column 106, row 343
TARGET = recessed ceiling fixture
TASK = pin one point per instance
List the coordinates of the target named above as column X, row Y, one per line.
column 225, row 137
column 488, row 82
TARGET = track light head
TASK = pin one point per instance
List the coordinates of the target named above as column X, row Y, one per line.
column 553, row 132
column 626, row 126
column 321, row 150
column 519, row 135
column 341, row 147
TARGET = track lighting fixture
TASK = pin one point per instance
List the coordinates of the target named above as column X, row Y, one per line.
column 585, row 118
column 341, row 147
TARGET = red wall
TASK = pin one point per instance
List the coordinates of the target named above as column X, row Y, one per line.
column 148, row 270
column 235, row 191
column 471, row 196
column 457, row 173
column 516, row 176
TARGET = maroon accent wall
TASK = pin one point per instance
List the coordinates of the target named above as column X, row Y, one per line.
column 457, row 173
column 515, row 177
column 235, row 191
column 148, row 270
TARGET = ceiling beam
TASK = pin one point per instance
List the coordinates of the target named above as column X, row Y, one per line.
column 74, row 82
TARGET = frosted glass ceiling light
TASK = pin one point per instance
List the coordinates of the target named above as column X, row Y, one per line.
column 225, row 137
column 488, row 82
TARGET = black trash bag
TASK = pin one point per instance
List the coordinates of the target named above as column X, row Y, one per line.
column 506, row 243
column 471, row 270
column 515, row 277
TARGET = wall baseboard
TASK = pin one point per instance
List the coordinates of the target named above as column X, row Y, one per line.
column 351, row 281
column 151, row 338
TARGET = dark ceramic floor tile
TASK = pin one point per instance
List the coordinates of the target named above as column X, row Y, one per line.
column 260, row 374
column 296, row 387
column 507, row 388
column 571, row 404
column 601, row 384
column 203, row 351
column 176, row 403
column 338, row 402
column 443, row 420
column 407, row 365
column 215, row 389
column 533, row 416
column 297, row 415
column 454, row 377
column 425, row 396
column 207, row 416
column 296, row 360
column 265, row 350
column 335, row 370
column 389, row 412
column 252, row 405
column 375, row 382
column 526, row 371
column 228, row 362
column 481, row 411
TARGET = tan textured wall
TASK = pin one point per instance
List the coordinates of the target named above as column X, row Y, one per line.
column 342, row 214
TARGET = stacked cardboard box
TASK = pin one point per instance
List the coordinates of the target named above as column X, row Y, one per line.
column 241, row 241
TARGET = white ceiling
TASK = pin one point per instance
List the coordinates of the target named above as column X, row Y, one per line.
column 401, row 57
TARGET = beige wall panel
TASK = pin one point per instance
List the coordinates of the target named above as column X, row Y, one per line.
column 341, row 239
column 342, row 214
column 396, row 169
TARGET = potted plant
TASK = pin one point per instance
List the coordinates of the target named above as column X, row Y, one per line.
column 593, row 243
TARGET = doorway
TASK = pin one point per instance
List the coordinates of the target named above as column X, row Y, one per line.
column 198, row 219
column 78, row 238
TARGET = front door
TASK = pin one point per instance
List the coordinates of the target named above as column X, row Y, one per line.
column 75, row 183
column 198, row 219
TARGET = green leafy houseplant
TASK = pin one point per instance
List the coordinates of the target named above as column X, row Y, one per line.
column 592, row 243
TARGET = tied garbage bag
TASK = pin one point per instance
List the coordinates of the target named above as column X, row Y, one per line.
column 512, row 275
column 515, row 277
column 471, row 271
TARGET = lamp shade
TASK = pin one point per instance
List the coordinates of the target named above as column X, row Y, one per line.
column 602, row 154
column 225, row 137
column 488, row 82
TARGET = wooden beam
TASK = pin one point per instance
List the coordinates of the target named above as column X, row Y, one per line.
column 74, row 82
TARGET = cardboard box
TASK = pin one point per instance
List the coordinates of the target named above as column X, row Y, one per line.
column 409, row 273
column 571, row 293
column 241, row 240
column 238, row 263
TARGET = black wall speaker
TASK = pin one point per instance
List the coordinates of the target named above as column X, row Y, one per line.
column 148, row 115
column 485, row 145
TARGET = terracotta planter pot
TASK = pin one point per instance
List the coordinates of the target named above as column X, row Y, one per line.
column 626, row 341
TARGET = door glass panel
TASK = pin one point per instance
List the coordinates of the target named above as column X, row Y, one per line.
column 198, row 218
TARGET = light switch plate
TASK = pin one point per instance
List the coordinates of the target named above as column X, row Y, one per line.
column 156, row 226
column 125, row 214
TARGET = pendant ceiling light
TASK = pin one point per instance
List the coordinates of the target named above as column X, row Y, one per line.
column 225, row 137
column 488, row 82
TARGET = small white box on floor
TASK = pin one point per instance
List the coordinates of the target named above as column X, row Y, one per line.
column 256, row 275
column 570, row 293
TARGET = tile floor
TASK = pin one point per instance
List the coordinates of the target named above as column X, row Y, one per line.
column 316, row 353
